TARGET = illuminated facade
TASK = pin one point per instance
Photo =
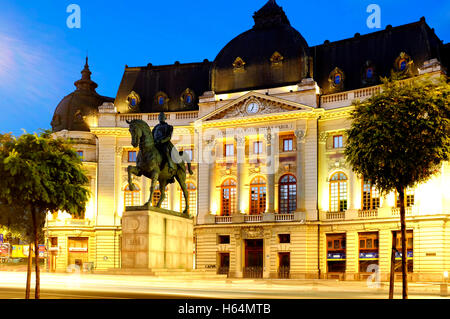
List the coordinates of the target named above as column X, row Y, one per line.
column 265, row 125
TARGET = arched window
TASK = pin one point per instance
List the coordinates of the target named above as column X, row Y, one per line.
column 132, row 198
column 258, row 190
column 157, row 196
column 192, row 198
column 338, row 192
column 228, row 197
column 370, row 196
column 287, row 194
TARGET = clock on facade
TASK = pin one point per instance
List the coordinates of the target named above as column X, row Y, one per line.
column 252, row 108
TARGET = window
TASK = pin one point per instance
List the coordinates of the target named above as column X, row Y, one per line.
column 338, row 192
column 288, row 145
column 224, row 239
column 338, row 141
column 284, row 238
column 228, row 191
column 160, row 100
column 80, row 155
column 229, row 150
column 257, row 196
column 370, row 196
column 132, row 198
column 188, row 98
column 133, row 102
column 409, row 198
column 287, row 194
column 337, row 79
column 131, row 156
column 402, row 64
column 257, row 147
column 192, row 199
column 369, row 73
column 157, row 196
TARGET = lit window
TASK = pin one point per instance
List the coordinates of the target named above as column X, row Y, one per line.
column 161, row 100
column 133, row 102
column 338, row 193
column 370, row 196
column 228, row 198
column 287, row 194
column 192, row 199
column 338, row 141
column 80, row 155
column 132, row 198
column 188, row 98
column 288, row 145
column 132, row 156
column 257, row 147
column 258, row 191
column 409, row 198
column 284, row 238
column 229, row 149
column 369, row 73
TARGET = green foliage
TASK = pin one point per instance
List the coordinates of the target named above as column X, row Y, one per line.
column 40, row 173
column 400, row 136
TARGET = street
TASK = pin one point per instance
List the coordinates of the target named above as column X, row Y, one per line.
column 96, row 286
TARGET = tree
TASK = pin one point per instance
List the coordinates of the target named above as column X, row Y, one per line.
column 399, row 138
column 40, row 174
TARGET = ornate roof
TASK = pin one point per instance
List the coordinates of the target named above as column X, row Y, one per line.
column 255, row 49
column 74, row 109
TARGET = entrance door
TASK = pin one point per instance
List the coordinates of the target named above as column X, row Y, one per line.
column 224, row 263
column 254, row 254
column 78, row 251
column 284, row 264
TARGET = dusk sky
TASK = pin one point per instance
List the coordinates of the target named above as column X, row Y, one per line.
column 40, row 57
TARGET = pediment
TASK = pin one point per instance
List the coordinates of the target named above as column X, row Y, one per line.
column 254, row 104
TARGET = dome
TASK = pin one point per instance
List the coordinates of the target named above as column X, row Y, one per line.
column 270, row 54
column 73, row 110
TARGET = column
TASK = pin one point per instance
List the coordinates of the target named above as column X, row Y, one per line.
column 203, row 180
column 311, row 171
column 270, row 169
column 300, row 136
column 213, row 204
column 106, row 180
column 240, row 146
column 172, row 198
column 352, row 255
column 238, row 251
column 322, row 172
column 119, row 205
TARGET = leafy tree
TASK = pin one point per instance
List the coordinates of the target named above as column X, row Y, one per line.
column 399, row 138
column 40, row 174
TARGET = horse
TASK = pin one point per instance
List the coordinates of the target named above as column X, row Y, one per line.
column 149, row 162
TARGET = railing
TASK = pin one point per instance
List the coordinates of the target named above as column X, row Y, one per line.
column 284, row 217
column 69, row 222
column 186, row 115
column 396, row 211
column 335, row 98
column 130, row 117
column 252, row 218
column 335, row 216
column 253, row 272
column 223, row 219
column 368, row 213
column 351, row 95
column 367, row 92
column 284, row 272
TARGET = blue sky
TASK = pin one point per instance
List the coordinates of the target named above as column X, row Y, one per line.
column 40, row 57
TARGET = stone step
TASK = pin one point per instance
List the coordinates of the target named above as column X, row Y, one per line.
column 177, row 273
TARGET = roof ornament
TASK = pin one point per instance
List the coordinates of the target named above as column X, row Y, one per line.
column 271, row 14
column 85, row 83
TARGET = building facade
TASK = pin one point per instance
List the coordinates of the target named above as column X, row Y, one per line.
column 265, row 125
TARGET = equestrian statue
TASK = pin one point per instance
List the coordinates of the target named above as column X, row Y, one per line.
column 158, row 158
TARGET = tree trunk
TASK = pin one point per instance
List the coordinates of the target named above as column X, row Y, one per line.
column 401, row 194
column 29, row 265
column 37, row 291
column 392, row 274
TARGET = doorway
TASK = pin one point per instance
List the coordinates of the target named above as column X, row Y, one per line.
column 254, row 261
column 284, row 265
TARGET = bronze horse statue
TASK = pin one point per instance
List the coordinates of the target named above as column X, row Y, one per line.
column 151, row 163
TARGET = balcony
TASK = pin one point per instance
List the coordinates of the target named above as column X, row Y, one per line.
column 176, row 118
column 395, row 211
column 262, row 218
column 357, row 214
column 70, row 222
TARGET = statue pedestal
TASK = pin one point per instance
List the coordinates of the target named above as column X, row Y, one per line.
column 156, row 238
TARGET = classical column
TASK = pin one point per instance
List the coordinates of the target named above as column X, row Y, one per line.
column 117, row 186
column 240, row 146
column 203, row 180
column 270, row 169
column 172, row 198
column 212, row 178
column 300, row 136
column 106, row 180
column 322, row 170
column 238, row 246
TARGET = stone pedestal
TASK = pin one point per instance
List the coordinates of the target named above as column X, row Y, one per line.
column 156, row 238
